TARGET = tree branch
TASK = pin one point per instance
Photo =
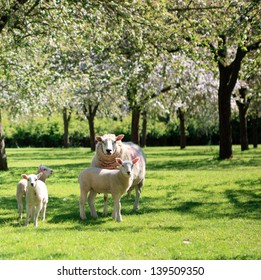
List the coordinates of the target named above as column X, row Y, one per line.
column 165, row 89
column 235, row 67
column 254, row 46
column 6, row 17
column 194, row 8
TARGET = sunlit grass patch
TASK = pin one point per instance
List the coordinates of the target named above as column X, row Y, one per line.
column 193, row 206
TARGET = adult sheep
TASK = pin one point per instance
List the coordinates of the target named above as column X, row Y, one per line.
column 108, row 148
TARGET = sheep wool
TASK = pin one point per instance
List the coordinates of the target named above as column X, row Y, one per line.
column 22, row 187
column 108, row 148
column 97, row 180
column 36, row 198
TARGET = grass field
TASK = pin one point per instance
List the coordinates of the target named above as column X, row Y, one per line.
column 193, row 206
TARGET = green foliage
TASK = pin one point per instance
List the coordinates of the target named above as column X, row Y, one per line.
column 37, row 132
column 193, row 206
column 48, row 132
column 118, row 45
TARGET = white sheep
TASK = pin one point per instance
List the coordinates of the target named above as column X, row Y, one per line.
column 22, row 186
column 108, row 148
column 36, row 197
column 100, row 180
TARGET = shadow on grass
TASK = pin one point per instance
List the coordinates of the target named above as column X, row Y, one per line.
column 49, row 153
column 242, row 204
column 237, row 257
column 204, row 163
column 189, row 158
column 66, row 210
column 246, row 203
column 238, row 203
column 192, row 158
column 8, row 210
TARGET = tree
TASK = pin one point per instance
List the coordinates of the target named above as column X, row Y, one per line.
column 3, row 158
column 95, row 90
column 246, row 93
column 254, row 85
column 230, row 31
column 243, row 105
column 89, row 111
column 137, row 68
column 191, row 94
column 19, row 20
column 88, row 63
column 137, row 54
column 228, row 78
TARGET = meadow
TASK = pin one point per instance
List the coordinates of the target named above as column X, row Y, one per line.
column 193, row 206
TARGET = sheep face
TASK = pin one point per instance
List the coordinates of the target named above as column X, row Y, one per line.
column 46, row 170
column 126, row 166
column 108, row 142
column 32, row 179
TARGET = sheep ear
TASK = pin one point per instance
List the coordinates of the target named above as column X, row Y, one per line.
column 24, row 176
column 39, row 175
column 119, row 161
column 119, row 137
column 98, row 138
column 134, row 161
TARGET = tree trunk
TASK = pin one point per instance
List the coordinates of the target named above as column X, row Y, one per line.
column 135, row 120
column 3, row 157
column 243, row 129
column 243, row 105
column 228, row 75
column 181, row 116
column 255, row 130
column 92, row 132
column 135, row 111
column 224, row 110
column 144, row 129
column 89, row 111
column 66, row 121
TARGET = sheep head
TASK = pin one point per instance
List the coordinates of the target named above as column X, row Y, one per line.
column 45, row 170
column 108, row 142
column 126, row 166
column 32, row 178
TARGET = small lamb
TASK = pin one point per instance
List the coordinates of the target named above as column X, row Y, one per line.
column 36, row 197
column 97, row 180
column 22, row 186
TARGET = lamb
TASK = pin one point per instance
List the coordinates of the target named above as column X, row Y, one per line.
column 22, row 186
column 108, row 148
column 100, row 180
column 36, row 197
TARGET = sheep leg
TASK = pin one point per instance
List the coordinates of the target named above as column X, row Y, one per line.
column 20, row 206
column 28, row 211
column 82, row 202
column 116, row 214
column 36, row 214
column 44, row 211
column 91, row 199
column 137, row 198
column 31, row 213
column 105, row 208
column 129, row 193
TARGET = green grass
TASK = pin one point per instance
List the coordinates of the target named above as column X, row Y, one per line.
column 193, row 206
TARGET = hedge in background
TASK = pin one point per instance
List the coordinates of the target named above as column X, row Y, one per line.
column 41, row 132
